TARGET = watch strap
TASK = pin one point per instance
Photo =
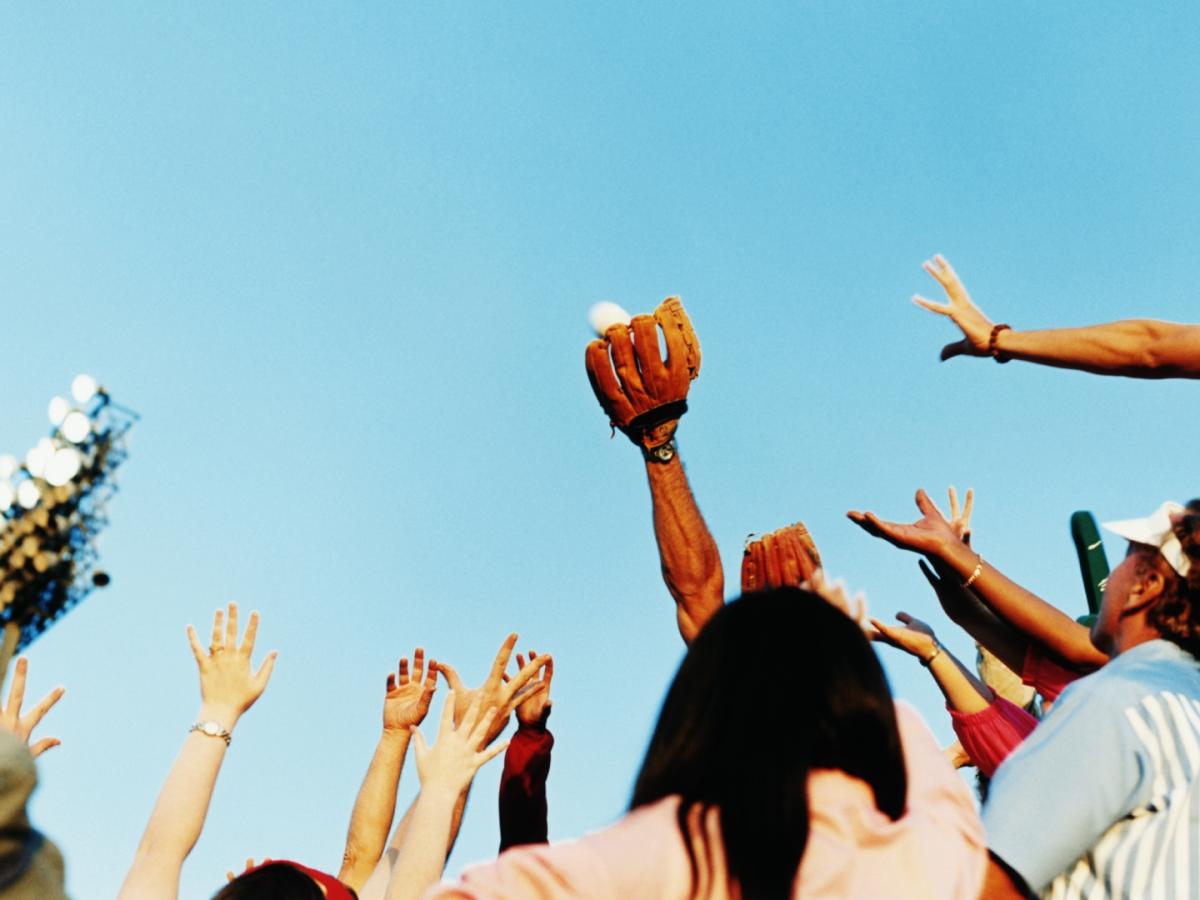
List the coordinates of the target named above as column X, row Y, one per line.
column 212, row 729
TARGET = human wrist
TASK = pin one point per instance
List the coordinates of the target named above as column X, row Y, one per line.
column 661, row 455
column 396, row 735
column 439, row 792
column 960, row 557
column 995, row 336
column 224, row 714
column 928, row 657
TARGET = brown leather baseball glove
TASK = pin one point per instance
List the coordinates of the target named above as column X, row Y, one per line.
column 645, row 395
column 784, row 558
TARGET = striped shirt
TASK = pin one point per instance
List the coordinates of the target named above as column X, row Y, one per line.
column 1103, row 799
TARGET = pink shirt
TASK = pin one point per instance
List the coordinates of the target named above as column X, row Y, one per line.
column 935, row 850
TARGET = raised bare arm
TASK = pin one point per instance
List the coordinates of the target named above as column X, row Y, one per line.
column 404, row 707
column 691, row 564
column 932, row 536
column 1136, row 348
column 228, row 687
column 962, row 690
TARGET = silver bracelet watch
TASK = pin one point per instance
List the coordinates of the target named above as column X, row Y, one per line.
column 212, row 729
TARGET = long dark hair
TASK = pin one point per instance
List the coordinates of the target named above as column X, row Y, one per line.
column 778, row 683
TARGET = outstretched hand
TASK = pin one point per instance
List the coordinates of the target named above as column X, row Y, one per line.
column 451, row 763
column 230, row 875
column 834, row 593
column 534, row 707
column 930, row 534
column 407, row 700
column 915, row 638
column 228, row 684
column 495, row 691
column 960, row 520
column 975, row 326
column 22, row 725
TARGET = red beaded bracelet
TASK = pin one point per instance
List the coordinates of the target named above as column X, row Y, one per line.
column 993, row 350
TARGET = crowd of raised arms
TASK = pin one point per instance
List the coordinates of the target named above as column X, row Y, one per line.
column 848, row 795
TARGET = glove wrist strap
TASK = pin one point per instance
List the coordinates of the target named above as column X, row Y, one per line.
column 652, row 418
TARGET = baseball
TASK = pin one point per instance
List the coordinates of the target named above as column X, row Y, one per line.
column 605, row 314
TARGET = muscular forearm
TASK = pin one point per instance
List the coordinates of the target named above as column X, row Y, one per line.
column 373, row 809
column 1028, row 613
column 1138, row 348
column 179, row 813
column 691, row 564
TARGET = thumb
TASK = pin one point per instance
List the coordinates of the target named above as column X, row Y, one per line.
column 264, row 671
column 419, row 745
column 933, row 580
column 957, row 348
column 43, row 745
column 451, row 676
column 882, row 632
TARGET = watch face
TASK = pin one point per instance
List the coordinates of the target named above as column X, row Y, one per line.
column 212, row 729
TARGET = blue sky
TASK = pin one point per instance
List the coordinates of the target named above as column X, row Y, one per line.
column 340, row 260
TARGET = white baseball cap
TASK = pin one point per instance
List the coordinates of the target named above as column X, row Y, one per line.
column 1156, row 531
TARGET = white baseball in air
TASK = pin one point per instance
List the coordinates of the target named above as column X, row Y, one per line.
column 604, row 315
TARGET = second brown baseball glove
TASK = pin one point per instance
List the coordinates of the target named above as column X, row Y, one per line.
column 784, row 558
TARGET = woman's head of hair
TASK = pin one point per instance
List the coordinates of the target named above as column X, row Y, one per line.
column 1176, row 614
column 272, row 881
column 777, row 684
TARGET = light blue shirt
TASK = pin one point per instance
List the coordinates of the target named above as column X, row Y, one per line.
column 1103, row 799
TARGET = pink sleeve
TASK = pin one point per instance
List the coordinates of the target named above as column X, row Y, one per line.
column 1046, row 675
column 641, row 856
column 989, row 736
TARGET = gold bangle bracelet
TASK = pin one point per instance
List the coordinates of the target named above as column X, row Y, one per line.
column 974, row 575
column 937, row 649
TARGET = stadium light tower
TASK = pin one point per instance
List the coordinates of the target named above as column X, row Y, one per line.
column 52, row 507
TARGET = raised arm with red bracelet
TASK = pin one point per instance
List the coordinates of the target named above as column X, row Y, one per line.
column 1136, row 348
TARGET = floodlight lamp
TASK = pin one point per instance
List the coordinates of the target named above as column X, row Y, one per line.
column 63, row 466
column 59, row 407
column 8, row 495
column 8, row 465
column 84, row 388
column 28, row 494
column 37, row 459
column 76, row 427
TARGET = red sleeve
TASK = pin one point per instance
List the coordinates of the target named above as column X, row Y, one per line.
column 1047, row 675
column 523, row 788
column 989, row 736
